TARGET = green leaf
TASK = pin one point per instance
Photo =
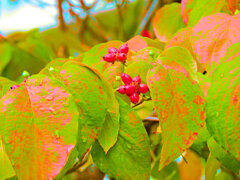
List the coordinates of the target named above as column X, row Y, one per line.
column 211, row 167
column 223, row 106
column 6, row 169
column 167, row 21
column 180, row 59
column 5, row 85
column 232, row 52
column 170, row 172
column 145, row 109
column 111, row 72
column 132, row 146
column 179, row 105
column 39, row 125
column 109, row 133
column 201, row 142
column 139, row 68
column 193, row 10
column 57, row 40
column 5, row 55
column 226, row 159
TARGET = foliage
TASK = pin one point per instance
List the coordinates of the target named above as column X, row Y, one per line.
column 69, row 116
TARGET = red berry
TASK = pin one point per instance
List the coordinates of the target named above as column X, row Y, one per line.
column 121, row 56
column 130, row 89
column 137, row 79
column 112, row 50
column 121, row 89
column 134, row 98
column 123, row 48
column 143, row 88
column 126, row 78
column 109, row 57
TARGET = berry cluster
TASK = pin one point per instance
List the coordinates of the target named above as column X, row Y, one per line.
column 132, row 87
column 117, row 54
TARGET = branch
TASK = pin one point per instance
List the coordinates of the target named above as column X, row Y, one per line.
column 61, row 24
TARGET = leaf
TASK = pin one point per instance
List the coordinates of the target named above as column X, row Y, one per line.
column 144, row 110
column 200, row 143
column 167, row 21
column 39, row 123
column 92, row 111
column 232, row 52
column 88, row 91
column 170, row 172
column 179, row 106
column 210, row 43
column 193, row 169
column 138, row 43
column 226, row 159
column 223, row 106
column 132, row 145
column 109, row 133
column 204, row 82
column 183, row 39
column 212, row 165
column 5, row 85
column 193, row 10
column 139, row 68
column 143, row 55
column 111, row 72
column 55, row 39
column 180, row 59
column 6, row 169
column 5, row 55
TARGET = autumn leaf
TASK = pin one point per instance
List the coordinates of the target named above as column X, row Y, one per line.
column 179, row 105
column 212, row 36
column 167, row 21
column 223, row 106
column 38, row 124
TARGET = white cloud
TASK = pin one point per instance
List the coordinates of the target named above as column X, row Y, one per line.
column 27, row 17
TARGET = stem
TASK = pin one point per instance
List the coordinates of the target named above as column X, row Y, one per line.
column 61, row 24
column 142, row 100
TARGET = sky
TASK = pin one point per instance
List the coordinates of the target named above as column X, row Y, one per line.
column 23, row 15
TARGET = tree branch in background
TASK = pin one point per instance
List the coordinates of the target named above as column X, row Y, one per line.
column 61, row 22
